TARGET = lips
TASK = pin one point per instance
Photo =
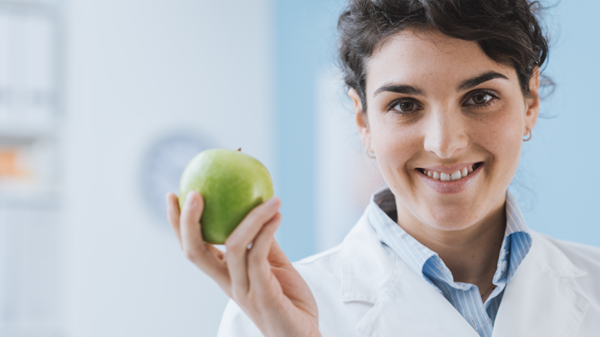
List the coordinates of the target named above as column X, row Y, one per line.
column 450, row 180
column 452, row 176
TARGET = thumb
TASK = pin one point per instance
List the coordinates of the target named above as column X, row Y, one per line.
column 191, row 236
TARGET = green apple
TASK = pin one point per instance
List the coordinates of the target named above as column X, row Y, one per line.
column 231, row 184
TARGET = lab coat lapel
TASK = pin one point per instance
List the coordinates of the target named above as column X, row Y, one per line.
column 404, row 304
column 541, row 299
column 366, row 265
column 410, row 306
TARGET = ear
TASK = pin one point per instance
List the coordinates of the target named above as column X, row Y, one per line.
column 533, row 102
column 362, row 120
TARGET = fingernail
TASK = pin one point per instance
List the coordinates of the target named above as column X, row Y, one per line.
column 191, row 201
column 271, row 202
column 168, row 201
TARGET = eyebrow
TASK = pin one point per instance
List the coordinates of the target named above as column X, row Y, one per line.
column 400, row 89
column 477, row 80
column 465, row 85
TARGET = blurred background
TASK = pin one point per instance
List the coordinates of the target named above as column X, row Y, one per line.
column 102, row 103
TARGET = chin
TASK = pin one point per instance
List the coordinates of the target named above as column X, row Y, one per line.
column 450, row 218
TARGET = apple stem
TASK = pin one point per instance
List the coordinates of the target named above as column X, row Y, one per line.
column 240, row 149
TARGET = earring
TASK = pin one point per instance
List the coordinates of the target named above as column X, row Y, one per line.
column 370, row 153
column 529, row 133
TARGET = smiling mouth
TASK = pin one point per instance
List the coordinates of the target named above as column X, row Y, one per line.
column 458, row 175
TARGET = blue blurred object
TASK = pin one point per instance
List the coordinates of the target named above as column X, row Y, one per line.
column 305, row 44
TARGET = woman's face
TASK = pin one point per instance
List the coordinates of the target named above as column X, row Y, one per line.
column 446, row 124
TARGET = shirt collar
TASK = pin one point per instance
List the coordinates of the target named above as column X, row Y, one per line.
column 517, row 240
column 382, row 216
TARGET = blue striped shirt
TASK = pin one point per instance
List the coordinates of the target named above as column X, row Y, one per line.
column 465, row 297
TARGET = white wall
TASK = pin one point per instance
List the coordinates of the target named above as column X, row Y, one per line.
column 135, row 70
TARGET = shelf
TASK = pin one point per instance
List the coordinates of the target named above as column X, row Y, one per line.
column 46, row 196
column 25, row 131
column 30, row 3
column 30, row 332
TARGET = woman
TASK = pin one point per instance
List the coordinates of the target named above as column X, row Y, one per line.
column 445, row 92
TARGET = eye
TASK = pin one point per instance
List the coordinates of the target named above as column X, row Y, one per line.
column 481, row 99
column 404, row 106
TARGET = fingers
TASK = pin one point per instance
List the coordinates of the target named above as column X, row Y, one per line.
column 242, row 236
column 258, row 264
column 187, row 228
column 276, row 255
column 173, row 214
column 257, row 228
column 191, row 237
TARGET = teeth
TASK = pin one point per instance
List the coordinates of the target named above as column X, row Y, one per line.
column 455, row 175
column 449, row 177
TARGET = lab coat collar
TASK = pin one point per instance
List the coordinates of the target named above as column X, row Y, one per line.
column 403, row 302
column 367, row 265
column 541, row 296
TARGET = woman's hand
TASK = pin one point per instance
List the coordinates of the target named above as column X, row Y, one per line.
column 260, row 279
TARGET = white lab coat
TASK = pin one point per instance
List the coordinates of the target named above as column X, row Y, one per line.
column 363, row 288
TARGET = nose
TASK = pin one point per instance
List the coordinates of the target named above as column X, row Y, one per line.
column 445, row 134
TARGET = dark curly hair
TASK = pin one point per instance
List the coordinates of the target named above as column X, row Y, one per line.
column 508, row 31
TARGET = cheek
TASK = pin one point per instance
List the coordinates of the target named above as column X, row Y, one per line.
column 502, row 137
column 394, row 146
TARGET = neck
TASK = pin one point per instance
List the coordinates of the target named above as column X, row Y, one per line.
column 470, row 253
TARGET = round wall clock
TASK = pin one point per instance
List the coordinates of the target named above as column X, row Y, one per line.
column 162, row 167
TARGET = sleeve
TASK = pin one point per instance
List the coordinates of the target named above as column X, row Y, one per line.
column 235, row 323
